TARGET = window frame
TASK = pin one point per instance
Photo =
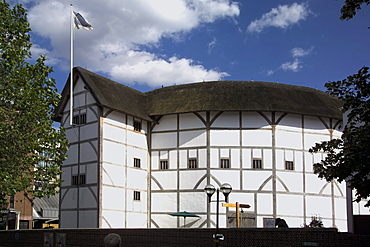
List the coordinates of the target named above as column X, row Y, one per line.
column 163, row 165
column 83, row 118
column 289, row 165
column 137, row 195
column 24, row 224
column 74, row 180
column 79, row 119
column 225, row 163
column 137, row 163
column 257, row 164
column 79, row 179
column 82, row 179
column 192, row 163
column 137, row 125
column 76, row 119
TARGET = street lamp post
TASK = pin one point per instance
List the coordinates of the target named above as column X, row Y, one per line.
column 210, row 190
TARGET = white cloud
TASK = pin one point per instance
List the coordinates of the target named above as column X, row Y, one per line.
column 15, row 2
column 300, row 52
column 297, row 53
column 123, row 30
column 37, row 51
column 283, row 16
column 210, row 10
column 211, row 45
column 293, row 66
column 160, row 71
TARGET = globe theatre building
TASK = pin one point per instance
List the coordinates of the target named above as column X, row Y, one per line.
column 136, row 157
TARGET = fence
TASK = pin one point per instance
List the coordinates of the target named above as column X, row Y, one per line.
column 182, row 237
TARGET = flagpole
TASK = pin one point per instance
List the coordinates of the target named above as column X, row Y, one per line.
column 71, row 73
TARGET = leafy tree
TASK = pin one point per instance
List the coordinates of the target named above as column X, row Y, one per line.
column 351, row 7
column 348, row 158
column 27, row 101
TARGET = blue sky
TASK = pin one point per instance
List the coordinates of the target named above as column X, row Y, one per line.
column 148, row 44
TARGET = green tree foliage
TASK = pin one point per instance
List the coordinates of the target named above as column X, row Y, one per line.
column 348, row 158
column 351, row 7
column 27, row 101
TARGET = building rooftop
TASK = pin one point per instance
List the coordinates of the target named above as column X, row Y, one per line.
column 207, row 96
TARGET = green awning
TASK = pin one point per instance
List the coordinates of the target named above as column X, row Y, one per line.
column 184, row 214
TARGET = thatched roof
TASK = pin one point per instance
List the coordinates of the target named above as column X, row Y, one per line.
column 208, row 96
column 243, row 96
column 108, row 94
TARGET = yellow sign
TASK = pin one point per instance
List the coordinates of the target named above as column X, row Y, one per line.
column 233, row 205
column 237, row 206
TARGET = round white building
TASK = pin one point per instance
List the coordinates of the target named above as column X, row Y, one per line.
column 253, row 135
column 143, row 156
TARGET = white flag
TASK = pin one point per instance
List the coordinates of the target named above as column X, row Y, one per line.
column 81, row 22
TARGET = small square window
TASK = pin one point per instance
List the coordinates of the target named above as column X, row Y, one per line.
column 137, row 125
column 225, row 163
column 136, row 195
column 79, row 119
column 289, row 165
column 78, row 179
column 257, row 164
column 137, row 163
column 192, row 163
column 164, row 164
column 24, row 224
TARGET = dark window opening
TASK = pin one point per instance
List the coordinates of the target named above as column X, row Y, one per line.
column 289, row 165
column 78, row 179
column 137, row 163
column 83, row 118
column 79, row 119
column 257, row 164
column 164, row 164
column 76, row 119
column 136, row 195
column 74, row 180
column 225, row 163
column 137, row 125
column 24, row 224
column 82, row 179
column 192, row 164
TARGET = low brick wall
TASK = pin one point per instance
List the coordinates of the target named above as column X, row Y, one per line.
column 182, row 237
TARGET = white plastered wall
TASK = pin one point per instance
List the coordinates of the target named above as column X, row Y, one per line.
column 79, row 203
column 272, row 191
column 120, row 179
